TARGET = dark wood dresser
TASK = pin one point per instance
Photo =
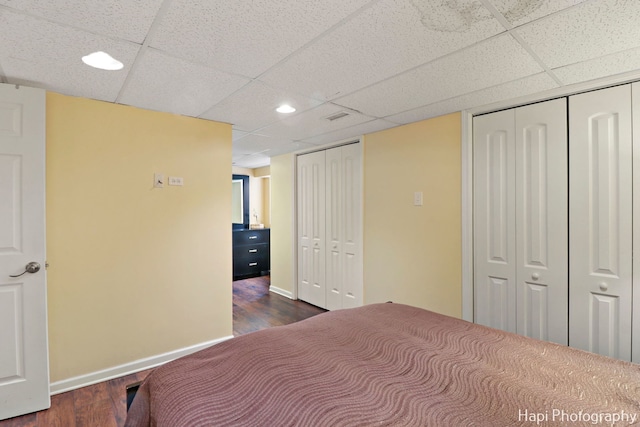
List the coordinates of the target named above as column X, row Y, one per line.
column 250, row 253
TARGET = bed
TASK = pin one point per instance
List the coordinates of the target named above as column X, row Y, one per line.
column 388, row 365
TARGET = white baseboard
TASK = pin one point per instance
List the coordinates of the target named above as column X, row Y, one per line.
column 127, row 368
column 282, row 292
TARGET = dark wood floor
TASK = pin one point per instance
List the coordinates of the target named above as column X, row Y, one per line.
column 254, row 307
column 105, row 404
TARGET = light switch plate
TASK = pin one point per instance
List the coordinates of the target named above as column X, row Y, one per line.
column 158, row 180
column 417, row 198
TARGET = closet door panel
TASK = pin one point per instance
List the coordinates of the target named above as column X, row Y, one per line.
column 601, row 221
column 635, row 357
column 494, row 220
column 541, row 221
column 335, row 232
column 311, row 228
column 352, row 284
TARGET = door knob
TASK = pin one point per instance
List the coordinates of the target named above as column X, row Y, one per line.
column 535, row 276
column 32, row 267
column 603, row 286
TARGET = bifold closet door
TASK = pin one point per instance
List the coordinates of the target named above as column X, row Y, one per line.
column 494, row 220
column 311, row 228
column 635, row 339
column 343, row 228
column 542, row 271
column 520, row 220
column 600, row 226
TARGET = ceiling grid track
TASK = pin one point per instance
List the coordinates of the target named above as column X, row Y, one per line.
column 145, row 45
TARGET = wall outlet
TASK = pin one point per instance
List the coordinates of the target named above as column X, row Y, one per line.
column 176, row 180
column 158, row 180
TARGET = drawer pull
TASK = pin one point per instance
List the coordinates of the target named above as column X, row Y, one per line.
column 253, row 251
column 253, row 237
column 253, row 264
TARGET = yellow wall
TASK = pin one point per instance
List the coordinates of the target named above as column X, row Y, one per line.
column 266, row 201
column 135, row 271
column 282, row 222
column 413, row 255
column 262, row 172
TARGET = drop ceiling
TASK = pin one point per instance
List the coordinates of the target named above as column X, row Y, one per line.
column 383, row 62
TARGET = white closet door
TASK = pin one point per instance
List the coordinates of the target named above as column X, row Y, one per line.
column 311, row 228
column 600, row 206
column 635, row 339
column 344, row 213
column 541, row 221
column 494, row 220
column 351, row 210
column 334, row 230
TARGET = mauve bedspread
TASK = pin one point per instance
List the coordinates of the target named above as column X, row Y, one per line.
column 388, row 365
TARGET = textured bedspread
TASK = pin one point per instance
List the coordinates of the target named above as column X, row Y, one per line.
column 388, row 365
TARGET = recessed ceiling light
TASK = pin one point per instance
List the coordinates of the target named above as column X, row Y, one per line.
column 285, row 108
column 103, row 61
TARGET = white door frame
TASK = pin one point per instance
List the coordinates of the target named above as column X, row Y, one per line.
column 467, row 165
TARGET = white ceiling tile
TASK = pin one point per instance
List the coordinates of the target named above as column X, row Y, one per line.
column 519, row 12
column 351, row 132
column 251, row 161
column 237, row 157
column 240, row 148
column 433, row 110
column 313, row 122
column 584, row 32
column 253, row 143
column 528, row 85
column 617, row 63
column 237, row 134
column 289, row 148
column 254, row 106
column 382, row 41
column 246, row 37
column 498, row 60
column 42, row 54
column 164, row 83
column 128, row 20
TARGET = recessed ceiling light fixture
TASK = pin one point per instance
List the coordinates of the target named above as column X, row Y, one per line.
column 285, row 108
column 103, row 61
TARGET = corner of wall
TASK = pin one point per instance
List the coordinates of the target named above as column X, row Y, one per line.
column 283, row 232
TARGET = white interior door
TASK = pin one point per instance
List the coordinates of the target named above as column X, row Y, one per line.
column 494, row 220
column 600, row 228
column 311, row 228
column 541, row 221
column 24, row 368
